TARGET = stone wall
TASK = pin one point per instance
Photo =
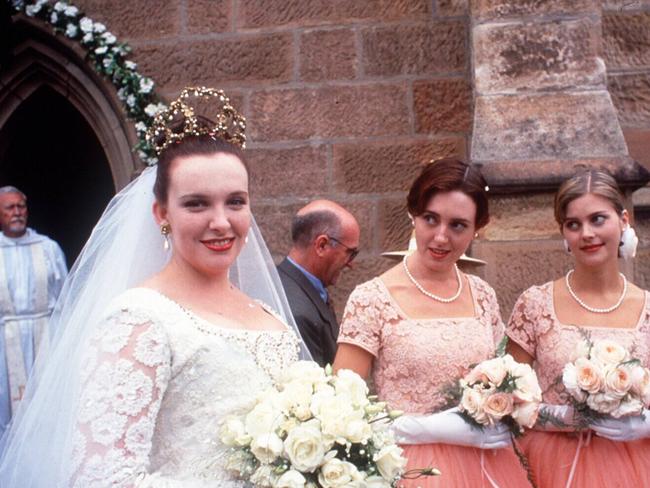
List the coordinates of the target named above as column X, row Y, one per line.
column 346, row 99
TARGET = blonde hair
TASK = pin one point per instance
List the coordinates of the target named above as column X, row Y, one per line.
column 594, row 181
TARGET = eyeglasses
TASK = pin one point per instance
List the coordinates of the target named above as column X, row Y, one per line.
column 353, row 252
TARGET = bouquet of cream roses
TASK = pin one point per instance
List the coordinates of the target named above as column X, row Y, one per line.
column 315, row 429
column 605, row 380
column 501, row 389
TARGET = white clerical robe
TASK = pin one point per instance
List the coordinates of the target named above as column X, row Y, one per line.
column 32, row 271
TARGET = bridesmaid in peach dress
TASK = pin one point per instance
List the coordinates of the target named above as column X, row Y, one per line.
column 549, row 321
column 418, row 327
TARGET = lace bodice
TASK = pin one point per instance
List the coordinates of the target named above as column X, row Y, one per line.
column 415, row 359
column 157, row 381
column 534, row 326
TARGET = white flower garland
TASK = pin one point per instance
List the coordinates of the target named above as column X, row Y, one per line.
column 136, row 91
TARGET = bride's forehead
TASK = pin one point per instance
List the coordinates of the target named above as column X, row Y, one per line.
column 208, row 170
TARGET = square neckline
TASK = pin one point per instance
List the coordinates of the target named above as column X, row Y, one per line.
column 404, row 315
column 636, row 327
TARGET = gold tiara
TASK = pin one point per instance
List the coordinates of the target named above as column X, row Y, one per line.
column 180, row 120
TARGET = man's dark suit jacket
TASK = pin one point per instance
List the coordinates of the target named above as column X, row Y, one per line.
column 316, row 319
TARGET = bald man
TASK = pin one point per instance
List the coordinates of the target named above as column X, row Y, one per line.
column 325, row 241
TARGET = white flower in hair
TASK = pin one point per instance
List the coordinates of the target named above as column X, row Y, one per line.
column 629, row 242
column 71, row 11
column 130, row 65
column 59, row 6
column 109, row 38
column 71, row 30
column 146, row 85
column 86, row 25
column 54, row 18
column 99, row 28
column 87, row 37
column 101, row 50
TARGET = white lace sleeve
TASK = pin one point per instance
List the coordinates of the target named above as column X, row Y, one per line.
column 126, row 372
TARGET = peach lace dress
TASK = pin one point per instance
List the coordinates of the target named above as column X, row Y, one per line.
column 570, row 459
column 415, row 359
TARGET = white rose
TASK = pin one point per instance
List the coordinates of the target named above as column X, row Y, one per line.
column 71, row 11
column 525, row 414
column 307, row 371
column 296, row 399
column 349, row 382
column 233, row 432
column 640, row 379
column 618, row 381
column 570, row 381
column 608, row 352
column 86, row 25
column 633, row 406
column 263, row 477
column 291, row 479
column 71, row 30
column 59, row 6
column 358, row 431
column 472, row 403
column 494, row 370
column 263, row 419
column 390, row 461
column 527, row 387
column 304, row 446
column 335, row 473
column 99, row 28
column 589, row 376
column 335, row 413
column 600, row 402
column 267, row 447
column 498, row 405
column 240, row 461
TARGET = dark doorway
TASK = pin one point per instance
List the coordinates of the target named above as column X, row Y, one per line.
column 50, row 152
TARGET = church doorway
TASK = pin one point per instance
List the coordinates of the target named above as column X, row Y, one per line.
column 50, row 152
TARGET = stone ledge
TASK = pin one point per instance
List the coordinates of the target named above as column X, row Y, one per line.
column 523, row 176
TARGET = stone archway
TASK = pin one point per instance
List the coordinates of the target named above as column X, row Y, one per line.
column 40, row 58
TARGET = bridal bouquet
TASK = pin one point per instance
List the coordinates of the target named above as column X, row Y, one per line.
column 501, row 389
column 605, row 380
column 316, row 429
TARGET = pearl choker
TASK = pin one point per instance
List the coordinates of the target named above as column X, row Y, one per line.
column 594, row 309
column 431, row 295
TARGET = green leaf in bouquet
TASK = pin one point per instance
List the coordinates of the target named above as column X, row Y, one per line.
column 501, row 347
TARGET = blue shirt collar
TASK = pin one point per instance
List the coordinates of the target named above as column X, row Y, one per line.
column 318, row 284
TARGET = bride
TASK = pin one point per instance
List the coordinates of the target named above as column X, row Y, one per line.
column 136, row 400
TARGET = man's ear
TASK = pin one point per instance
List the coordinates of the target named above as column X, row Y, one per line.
column 320, row 244
column 159, row 212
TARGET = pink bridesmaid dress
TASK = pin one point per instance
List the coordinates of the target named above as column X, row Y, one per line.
column 415, row 359
column 577, row 460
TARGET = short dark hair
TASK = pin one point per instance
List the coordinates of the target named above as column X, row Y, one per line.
column 446, row 175
column 306, row 227
column 203, row 145
column 594, row 181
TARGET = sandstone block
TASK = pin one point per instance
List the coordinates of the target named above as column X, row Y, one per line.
column 531, row 57
column 625, row 5
column 300, row 171
column 549, row 126
column 642, row 268
column 135, row 19
column 334, row 111
column 626, row 40
column 394, row 227
column 266, row 13
column 378, row 167
column 437, row 47
column 328, row 55
column 274, row 220
column 442, row 105
column 452, row 8
column 521, row 217
column 638, row 143
column 244, row 60
column 514, row 267
column 364, row 211
column 206, row 16
column 631, row 96
column 503, row 9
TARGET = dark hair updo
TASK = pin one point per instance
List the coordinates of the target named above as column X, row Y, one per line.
column 203, row 145
column 445, row 175
column 594, row 181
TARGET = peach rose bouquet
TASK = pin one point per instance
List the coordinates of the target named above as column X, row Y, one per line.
column 501, row 390
column 315, row 429
column 605, row 380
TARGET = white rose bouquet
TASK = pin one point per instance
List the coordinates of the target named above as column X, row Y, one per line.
column 605, row 381
column 316, row 429
column 501, row 390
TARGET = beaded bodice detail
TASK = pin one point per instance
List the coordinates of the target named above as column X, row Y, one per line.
column 534, row 326
column 416, row 359
column 157, row 381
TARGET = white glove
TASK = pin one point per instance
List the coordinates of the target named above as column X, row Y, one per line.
column 449, row 428
column 556, row 418
column 624, row 429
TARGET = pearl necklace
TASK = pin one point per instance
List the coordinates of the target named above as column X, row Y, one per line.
column 428, row 293
column 594, row 309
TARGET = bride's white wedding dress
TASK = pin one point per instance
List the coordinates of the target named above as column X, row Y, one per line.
column 157, row 380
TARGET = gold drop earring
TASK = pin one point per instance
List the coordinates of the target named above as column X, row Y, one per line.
column 165, row 230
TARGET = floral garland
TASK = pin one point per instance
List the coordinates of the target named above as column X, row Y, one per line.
column 136, row 91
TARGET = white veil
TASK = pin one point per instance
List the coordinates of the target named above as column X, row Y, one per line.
column 124, row 248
